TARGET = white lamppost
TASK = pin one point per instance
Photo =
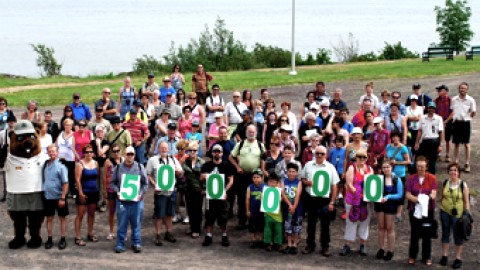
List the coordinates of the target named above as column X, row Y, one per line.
column 293, row 72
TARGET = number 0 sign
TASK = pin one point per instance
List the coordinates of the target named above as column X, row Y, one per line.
column 130, row 187
column 321, row 184
column 215, row 186
column 270, row 200
column 373, row 188
column 166, row 178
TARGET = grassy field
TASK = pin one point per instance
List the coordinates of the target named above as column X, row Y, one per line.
column 58, row 93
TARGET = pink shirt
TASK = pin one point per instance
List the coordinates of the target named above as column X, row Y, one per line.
column 81, row 141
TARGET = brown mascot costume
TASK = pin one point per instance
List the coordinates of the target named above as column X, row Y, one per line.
column 24, row 185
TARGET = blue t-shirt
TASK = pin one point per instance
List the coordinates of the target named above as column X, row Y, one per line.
column 291, row 191
column 255, row 199
column 348, row 126
column 195, row 137
column 399, row 170
column 337, row 158
column 164, row 91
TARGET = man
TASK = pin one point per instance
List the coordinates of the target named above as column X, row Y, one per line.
column 464, row 109
column 233, row 113
column 166, row 89
column 396, row 99
column 226, row 144
column 348, row 126
column 200, row 80
column 171, row 139
column 213, row 104
column 430, row 134
column 336, row 104
column 164, row 202
column 99, row 111
column 318, row 207
column 109, row 106
column 119, row 135
column 423, row 99
column 130, row 211
column 140, row 133
column 5, row 141
column 141, row 114
column 217, row 209
column 149, row 86
column 320, row 93
column 80, row 109
column 55, row 189
column 246, row 157
column 444, row 109
column 174, row 109
column 358, row 119
column 52, row 126
column 240, row 133
column 371, row 96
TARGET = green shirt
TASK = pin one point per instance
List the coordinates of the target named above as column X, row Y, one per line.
column 249, row 156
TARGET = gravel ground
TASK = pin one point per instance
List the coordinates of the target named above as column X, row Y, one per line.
column 189, row 254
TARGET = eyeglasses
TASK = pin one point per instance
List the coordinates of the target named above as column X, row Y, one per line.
column 130, row 154
column 320, row 154
column 362, row 157
column 116, row 151
column 396, row 97
column 107, row 93
column 82, row 125
column 217, row 151
column 192, row 98
column 88, row 152
column 276, row 144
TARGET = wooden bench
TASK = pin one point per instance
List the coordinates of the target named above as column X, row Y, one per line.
column 438, row 52
column 474, row 50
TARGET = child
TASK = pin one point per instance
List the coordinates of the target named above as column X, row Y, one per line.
column 255, row 217
column 337, row 158
column 195, row 135
column 344, row 114
column 272, row 232
column 259, row 118
column 293, row 213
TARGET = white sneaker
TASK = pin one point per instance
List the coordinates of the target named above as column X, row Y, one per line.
column 176, row 219
column 186, row 220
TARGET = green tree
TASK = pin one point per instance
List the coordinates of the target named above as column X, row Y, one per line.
column 453, row 24
column 396, row 51
column 46, row 60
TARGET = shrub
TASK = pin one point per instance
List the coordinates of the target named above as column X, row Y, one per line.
column 46, row 60
column 396, row 51
column 147, row 64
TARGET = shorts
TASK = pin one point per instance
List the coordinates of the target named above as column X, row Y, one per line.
column 461, row 132
column 293, row 223
column 91, row 198
column 448, row 131
column 50, row 206
column 388, row 208
column 111, row 196
column 163, row 206
column 217, row 211
column 256, row 223
column 449, row 224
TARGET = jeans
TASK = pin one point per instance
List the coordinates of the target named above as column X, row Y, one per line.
column 129, row 212
column 140, row 154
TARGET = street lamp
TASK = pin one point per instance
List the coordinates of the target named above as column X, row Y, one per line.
column 293, row 72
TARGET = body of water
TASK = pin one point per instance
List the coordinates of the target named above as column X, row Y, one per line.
column 97, row 37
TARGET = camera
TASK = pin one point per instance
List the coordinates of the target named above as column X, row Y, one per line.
column 454, row 212
column 128, row 102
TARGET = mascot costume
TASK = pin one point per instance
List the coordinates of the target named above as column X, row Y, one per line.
column 23, row 169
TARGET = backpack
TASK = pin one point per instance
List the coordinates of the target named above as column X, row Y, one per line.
column 262, row 150
column 211, row 101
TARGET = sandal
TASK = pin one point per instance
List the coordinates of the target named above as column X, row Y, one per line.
column 80, row 242
column 428, row 262
column 92, row 238
column 195, row 235
column 110, row 236
column 411, row 261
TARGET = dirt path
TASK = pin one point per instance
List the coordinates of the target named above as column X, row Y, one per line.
column 14, row 89
column 189, row 254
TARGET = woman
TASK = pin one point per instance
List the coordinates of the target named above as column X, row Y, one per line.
column 272, row 156
column 213, row 133
column 198, row 112
column 308, row 154
column 32, row 113
column 180, row 97
column 270, row 126
column 45, row 138
column 326, row 117
column 384, row 104
column 4, row 113
column 356, row 145
column 177, row 78
column 247, row 99
column 306, row 130
column 181, row 155
column 67, row 114
column 270, row 107
column 156, row 102
column 192, row 168
column 66, row 153
column 396, row 122
column 115, row 159
column 161, row 124
column 148, row 107
column 414, row 113
column 421, row 193
column 455, row 201
column 185, row 122
column 100, row 150
column 337, row 130
column 82, row 136
column 359, row 212
column 378, row 141
column 292, row 118
column 86, row 176
column 369, row 126
column 386, row 210
column 399, row 157
column 310, row 99
column 126, row 96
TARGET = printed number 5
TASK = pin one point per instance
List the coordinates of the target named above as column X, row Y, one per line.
column 127, row 185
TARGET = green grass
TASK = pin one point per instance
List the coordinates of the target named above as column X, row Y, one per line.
column 239, row 80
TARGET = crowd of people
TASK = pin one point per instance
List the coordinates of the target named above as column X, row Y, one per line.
column 256, row 143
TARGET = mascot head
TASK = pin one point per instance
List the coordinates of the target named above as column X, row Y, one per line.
column 24, row 141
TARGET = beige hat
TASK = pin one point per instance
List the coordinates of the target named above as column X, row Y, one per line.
column 129, row 149
column 361, row 153
column 357, row 130
column 377, row 120
column 218, row 114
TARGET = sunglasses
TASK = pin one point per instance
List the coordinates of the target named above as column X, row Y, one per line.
column 130, row 154
column 88, row 152
column 362, row 157
column 107, row 93
column 192, row 98
column 192, row 150
column 217, row 151
column 116, row 151
column 284, row 120
column 82, row 125
column 68, row 111
column 276, row 144
column 320, row 154
column 396, row 97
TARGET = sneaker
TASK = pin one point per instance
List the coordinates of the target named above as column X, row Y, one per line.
column 345, row 251
column 325, row 252
column 389, row 256
column 49, row 243
column 447, row 159
column 293, row 250
column 119, row 250
column 170, row 238
column 62, row 244
column 308, row 250
column 398, row 219
column 207, row 241
column 286, row 250
column 158, row 241
column 380, row 254
column 457, row 264
column 443, row 261
column 225, row 241
column 176, row 219
column 269, row 247
column 137, row 249
column 186, row 220
column 362, row 250
column 467, row 169
column 103, row 207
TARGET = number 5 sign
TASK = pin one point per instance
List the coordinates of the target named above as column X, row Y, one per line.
column 271, row 197
column 373, row 188
column 130, row 187
column 215, row 186
column 321, row 184
column 165, row 178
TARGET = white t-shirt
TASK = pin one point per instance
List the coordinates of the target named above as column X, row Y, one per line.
column 373, row 98
column 24, row 175
column 463, row 107
column 45, row 142
column 232, row 114
column 311, row 167
column 414, row 125
column 217, row 100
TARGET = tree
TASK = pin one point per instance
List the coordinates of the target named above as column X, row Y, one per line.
column 453, row 24
column 46, row 60
column 346, row 51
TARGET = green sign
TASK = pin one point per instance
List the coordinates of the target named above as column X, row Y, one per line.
column 373, row 188
column 215, row 186
column 165, row 178
column 321, row 184
column 271, row 197
column 130, row 187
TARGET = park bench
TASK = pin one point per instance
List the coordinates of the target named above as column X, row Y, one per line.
column 438, row 52
column 474, row 50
